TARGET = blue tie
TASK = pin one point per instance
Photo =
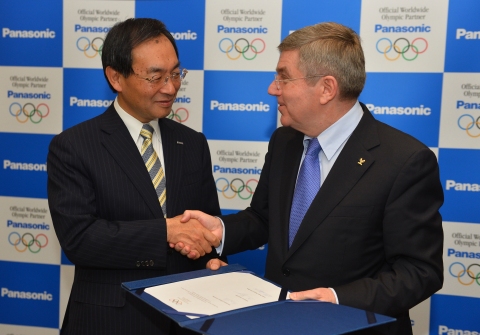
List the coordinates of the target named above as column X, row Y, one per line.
column 308, row 184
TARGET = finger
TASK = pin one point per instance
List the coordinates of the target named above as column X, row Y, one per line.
column 295, row 296
column 193, row 255
column 197, row 249
column 203, row 244
column 179, row 246
column 186, row 216
column 211, row 238
column 213, row 264
column 302, row 295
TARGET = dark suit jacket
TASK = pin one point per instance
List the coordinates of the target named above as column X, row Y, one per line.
column 373, row 232
column 109, row 222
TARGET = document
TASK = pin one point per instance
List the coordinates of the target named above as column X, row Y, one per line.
column 215, row 294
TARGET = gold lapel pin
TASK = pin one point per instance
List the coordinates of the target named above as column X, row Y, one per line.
column 361, row 161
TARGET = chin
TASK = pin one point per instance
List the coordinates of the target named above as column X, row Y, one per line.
column 284, row 121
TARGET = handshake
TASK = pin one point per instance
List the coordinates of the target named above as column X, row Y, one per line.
column 194, row 233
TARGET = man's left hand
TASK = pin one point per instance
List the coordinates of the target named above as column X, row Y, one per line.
column 321, row 294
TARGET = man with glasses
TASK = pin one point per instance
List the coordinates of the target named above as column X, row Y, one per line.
column 348, row 205
column 117, row 182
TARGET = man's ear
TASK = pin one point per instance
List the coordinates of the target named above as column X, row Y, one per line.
column 328, row 89
column 114, row 77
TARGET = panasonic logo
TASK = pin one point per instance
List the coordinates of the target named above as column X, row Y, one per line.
column 6, row 32
column 468, row 35
column 392, row 110
column 188, row 36
column 402, row 29
column 463, row 254
column 242, row 30
column 86, row 29
column 74, row 101
column 26, row 295
column 467, row 187
column 260, row 107
column 25, row 225
column 467, row 105
column 26, row 95
column 183, row 99
column 9, row 165
column 450, row 331
column 221, row 169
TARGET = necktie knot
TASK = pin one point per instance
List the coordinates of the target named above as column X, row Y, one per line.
column 147, row 131
column 313, row 147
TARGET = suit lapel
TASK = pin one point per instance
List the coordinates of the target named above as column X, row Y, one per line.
column 173, row 155
column 122, row 148
column 342, row 178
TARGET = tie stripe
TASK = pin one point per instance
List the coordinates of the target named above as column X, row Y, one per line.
column 154, row 167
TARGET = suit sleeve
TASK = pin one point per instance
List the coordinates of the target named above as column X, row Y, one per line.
column 210, row 203
column 87, row 238
column 413, row 243
column 249, row 229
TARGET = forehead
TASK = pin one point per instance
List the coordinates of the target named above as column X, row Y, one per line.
column 288, row 62
column 157, row 52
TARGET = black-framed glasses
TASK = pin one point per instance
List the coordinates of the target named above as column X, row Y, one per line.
column 176, row 78
column 278, row 81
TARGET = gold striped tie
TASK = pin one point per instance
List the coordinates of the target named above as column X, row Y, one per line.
column 154, row 167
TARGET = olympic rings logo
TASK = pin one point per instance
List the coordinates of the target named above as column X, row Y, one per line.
column 466, row 276
column 27, row 241
column 237, row 186
column 29, row 112
column 180, row 115
column 401, row 47
column 241, row 47
column 467, row 122
column 90, row 48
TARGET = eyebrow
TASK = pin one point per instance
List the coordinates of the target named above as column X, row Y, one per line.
column 282, row 70
column 155, row 69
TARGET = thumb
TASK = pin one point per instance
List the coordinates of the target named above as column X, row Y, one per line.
column 298, row 296
column 187, row 215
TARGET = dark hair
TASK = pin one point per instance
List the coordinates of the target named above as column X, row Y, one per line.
column 124, row 37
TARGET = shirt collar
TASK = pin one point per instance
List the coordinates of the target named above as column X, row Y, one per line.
column 332, row 138
column 133, row 125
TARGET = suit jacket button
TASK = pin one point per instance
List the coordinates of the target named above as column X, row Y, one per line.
column 143, row 263
column 151, row 263
column 286, row 272
column 138, row 264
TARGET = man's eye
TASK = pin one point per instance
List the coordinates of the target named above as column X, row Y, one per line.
column 175, row 75
column 155, row 79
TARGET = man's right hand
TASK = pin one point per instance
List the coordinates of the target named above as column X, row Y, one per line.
column 192, row 234
column 211, row 223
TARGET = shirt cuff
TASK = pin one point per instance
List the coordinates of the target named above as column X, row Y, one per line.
column 219, row 249
column 335, row 294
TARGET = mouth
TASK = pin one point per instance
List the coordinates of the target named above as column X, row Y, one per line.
column 165, row 102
